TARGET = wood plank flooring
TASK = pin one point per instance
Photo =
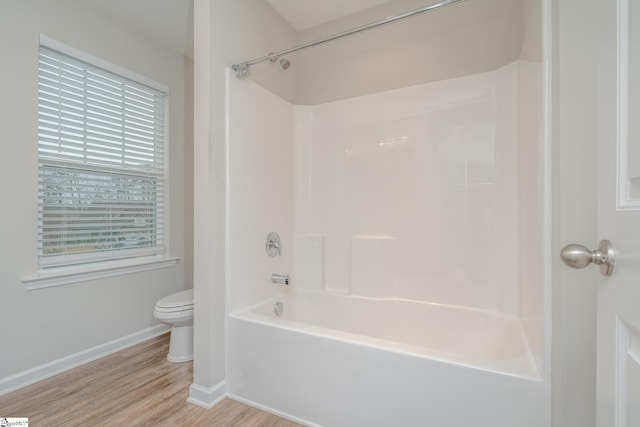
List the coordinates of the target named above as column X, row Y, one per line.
column 134, row 387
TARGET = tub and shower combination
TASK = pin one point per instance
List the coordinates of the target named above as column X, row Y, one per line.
column 410, row 223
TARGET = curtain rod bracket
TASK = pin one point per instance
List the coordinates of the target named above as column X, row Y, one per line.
column 242, row 70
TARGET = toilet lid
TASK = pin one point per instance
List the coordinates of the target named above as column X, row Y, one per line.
column 179, row 299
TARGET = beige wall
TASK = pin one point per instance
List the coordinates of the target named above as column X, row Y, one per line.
column 575, row 200
column 466, row 38
column 226, row 32
column 40, row 326
column 188, row 174
column 531, row 145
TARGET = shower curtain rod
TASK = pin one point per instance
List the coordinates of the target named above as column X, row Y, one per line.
column 242, row 69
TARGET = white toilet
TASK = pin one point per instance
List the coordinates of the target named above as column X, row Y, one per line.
column 176, row 310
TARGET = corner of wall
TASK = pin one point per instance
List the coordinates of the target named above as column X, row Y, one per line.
column 207, row 397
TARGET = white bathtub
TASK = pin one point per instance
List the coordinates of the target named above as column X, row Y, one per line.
column 336, row 360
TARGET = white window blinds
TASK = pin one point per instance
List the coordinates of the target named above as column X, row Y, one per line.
column 101, row 164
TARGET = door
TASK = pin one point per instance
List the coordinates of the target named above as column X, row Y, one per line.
column 618, row 353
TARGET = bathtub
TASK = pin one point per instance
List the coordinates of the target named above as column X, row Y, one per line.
column 338, row 360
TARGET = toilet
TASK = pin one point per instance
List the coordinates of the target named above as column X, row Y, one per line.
column 176, row 310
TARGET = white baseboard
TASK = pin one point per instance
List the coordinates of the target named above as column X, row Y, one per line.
column 41, row 372
column 207, row 397
column 272, row 411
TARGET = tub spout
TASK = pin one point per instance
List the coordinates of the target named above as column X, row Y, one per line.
column 280, row 278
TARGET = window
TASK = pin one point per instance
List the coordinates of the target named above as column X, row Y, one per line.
column 101, row 163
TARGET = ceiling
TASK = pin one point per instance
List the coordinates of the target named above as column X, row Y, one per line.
column 171, row 22
column 304, row 14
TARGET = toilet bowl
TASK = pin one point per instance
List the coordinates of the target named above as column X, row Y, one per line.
column 176, row 310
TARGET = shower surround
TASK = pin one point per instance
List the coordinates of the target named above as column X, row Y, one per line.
column 420, row 199
column 413, row 192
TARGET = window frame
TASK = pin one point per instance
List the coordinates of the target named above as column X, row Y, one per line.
column 123, row 261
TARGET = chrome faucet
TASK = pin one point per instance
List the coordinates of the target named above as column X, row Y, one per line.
column 273, row 245
column 280, row 278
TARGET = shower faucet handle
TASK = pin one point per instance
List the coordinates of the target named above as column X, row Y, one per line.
column 273, row 245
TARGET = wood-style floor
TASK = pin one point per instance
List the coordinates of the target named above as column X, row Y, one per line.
column 134, row 387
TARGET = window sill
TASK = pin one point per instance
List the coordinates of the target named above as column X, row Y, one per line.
column 68, row 275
